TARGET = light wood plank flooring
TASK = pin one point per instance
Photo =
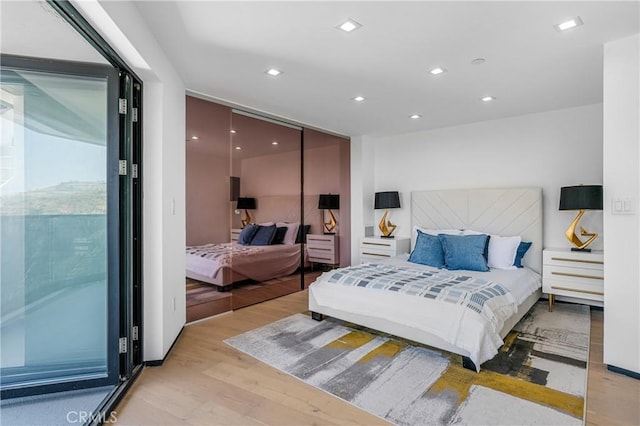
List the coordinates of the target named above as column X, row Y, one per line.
column 205, row 382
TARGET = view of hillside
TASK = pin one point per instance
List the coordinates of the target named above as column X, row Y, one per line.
column 64, row 198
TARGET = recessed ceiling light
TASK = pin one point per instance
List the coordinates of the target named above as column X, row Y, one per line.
column 568, row 24
column 415, row 116
column 238, row 147
column 233, row 131
column 437, row 71
column 195, row 138
column 349, row 25
column 478, row 61
column 274, row 143
column 273, row 72
column 488, row 98
column 359, row 98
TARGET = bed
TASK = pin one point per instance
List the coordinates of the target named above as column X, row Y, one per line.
column 222, row 264
column 429, row 319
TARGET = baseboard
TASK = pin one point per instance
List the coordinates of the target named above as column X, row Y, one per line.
column 619, row 370
column 159, row 362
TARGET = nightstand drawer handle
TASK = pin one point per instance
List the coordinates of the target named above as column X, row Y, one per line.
column 599, row 293
column 320, row 248
column 593, row 277
column 318, row 257
column 365, row 243
column 597, row 262
column 375, row 254
column 319, row 239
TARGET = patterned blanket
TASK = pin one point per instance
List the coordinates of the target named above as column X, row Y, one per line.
column 489, row 299
column 222, row 252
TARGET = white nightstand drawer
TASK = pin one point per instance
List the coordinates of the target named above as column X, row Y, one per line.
column 570, row 260
column 323, row 248
column 579, row 275
column 374, row 249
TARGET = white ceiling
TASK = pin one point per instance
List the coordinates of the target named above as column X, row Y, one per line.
column 222, row 49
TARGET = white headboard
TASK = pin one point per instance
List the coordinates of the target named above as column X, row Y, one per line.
column 498, row 211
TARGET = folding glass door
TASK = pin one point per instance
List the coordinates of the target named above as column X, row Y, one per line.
column 70, row 267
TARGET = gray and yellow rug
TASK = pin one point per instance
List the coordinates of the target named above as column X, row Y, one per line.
column 539, row 377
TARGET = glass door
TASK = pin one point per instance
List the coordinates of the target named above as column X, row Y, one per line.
column 59, row 204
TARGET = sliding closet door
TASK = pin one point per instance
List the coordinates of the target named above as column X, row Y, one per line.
column 58, row 223
column 266, row 160
column 327, row 201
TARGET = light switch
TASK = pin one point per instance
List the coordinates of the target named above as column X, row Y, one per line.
column 623, row 206
column 617, row 206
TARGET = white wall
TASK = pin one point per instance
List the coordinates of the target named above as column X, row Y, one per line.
column 548, row 150
column 163, row 174
column 621, row 180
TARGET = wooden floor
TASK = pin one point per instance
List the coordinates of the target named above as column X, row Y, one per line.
column 205, row 382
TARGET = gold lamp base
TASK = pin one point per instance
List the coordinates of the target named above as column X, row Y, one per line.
column 246, row 220
column 331, row 225
column 574, row 239
column 385, row 226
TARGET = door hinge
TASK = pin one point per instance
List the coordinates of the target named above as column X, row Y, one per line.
column 122, row 167
column 123, row 345
column 134, row 170
column 122, row 106
column 134, row 115
column 134, row 333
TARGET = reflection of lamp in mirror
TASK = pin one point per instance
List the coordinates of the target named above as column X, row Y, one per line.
column 246, row 203
column 582, row 197
column 387, row 200
column 329, row 202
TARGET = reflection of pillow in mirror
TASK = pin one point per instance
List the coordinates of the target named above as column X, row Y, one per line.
column 292, row 231
column 264, row 235
column 302, row 234
column 278, row 237
column 247, row 233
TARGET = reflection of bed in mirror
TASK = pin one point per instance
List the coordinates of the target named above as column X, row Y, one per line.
column 222, row 264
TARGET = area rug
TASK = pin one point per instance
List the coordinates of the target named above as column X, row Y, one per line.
column 539, row 376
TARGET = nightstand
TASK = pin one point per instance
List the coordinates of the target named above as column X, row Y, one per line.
column 323, row 248
column 373, row 249
column 574, row 274
column 234, row 234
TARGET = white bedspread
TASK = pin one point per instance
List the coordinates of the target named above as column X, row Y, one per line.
column 455, row 325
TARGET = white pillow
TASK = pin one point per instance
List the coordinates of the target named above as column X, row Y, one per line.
column 472, row 232
column 291, row 234
column 502, row 251
column 414, row 235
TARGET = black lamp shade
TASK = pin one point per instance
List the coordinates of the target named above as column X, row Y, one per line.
column 329, row 202
column 387, row 200
column 247, row 203
column 582, row 197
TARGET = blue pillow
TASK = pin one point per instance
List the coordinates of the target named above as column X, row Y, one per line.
column 264, row 235
column 247, row 233
column 464, row 252
column 522, row 250
column 278, row 237
column 427, row 251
